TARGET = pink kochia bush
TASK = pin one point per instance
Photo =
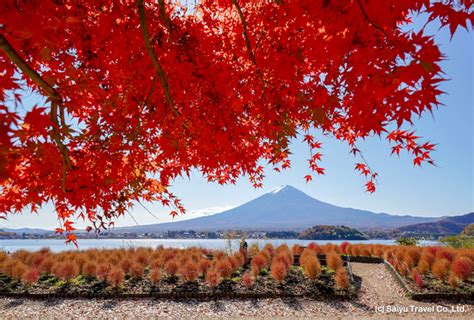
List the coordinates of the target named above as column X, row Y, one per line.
column 310, row 264
column 224, row 268
column 213, row 278
column 342, row 279
column 31, row 276
column 461, row 268
column 258, row 263
column 343, row 247
column 279, row 271
column 247, row 280
column 334, row 261
column 417, row 278
column 115, row 277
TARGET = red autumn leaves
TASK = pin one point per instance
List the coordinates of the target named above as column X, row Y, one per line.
column 219, row 89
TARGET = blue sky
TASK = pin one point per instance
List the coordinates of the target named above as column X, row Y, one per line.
column 403, row 189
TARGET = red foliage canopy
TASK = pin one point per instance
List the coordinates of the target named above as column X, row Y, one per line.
column 140, row 92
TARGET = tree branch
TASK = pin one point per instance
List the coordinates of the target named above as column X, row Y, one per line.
column 262, row 34
column 56, row 134
column 165, row 18
column 370, row 20
column 27, row 70
column 53, row 95
column 246, row 37
column 150, row 92
column 154, row 59
column 355, row 149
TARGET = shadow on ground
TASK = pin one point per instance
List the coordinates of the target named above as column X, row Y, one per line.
column 13, row 304
column 109, row 304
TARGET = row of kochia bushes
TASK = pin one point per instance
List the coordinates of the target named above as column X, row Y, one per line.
column 420, row 264
column 452, row 266
column 116, row 265
column 448, row 265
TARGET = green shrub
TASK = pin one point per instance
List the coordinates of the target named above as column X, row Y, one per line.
column 406, row 241
column 458, row 241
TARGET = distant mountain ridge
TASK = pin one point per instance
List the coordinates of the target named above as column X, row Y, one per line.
column 282, row 209
column 444, row 226
column 28, row 230
column 288, row 209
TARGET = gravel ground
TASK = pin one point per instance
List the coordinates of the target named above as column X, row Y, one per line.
column 380, row 298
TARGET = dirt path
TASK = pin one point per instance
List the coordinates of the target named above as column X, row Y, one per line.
column 382, row 295
column 378, row 285
column 380, row 298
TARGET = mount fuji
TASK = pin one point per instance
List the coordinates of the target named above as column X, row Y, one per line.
column 283, row 209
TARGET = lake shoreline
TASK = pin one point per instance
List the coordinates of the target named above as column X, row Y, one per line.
column 57, row 245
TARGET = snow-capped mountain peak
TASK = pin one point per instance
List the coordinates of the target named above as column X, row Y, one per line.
column 278, row 189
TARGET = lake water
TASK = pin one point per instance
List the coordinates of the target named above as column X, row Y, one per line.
column 59, row 244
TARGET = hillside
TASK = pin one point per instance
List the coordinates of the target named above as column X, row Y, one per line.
column 7, row 235
column 285, row 208
column 461, row 220
column 468, row 230
column 331, row 233
column 444, row 226
column 29, row 231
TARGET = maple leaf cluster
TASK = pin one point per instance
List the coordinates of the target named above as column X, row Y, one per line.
column 141, row 92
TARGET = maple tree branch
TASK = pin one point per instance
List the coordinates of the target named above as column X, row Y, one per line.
column 374, row 173
column 164, row 17
column 133, row 218
column 53, row 95
column 246, row 37
column 366, row 16
column 263, row 33
column 56, row 135
column 152, row 88
column 23, row 66
column 153, row 57
column 146, row 103
column 62, row 117
column 147, row 210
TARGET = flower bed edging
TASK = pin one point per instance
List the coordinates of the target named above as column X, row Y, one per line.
column 434, row 296
column 398, row 278
column 178, row 295
column 401, row 281
column 362, row 259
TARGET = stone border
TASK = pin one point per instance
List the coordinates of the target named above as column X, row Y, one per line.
column 362, row 259
column 426, row 296
column 178, row 295
column 399, row 279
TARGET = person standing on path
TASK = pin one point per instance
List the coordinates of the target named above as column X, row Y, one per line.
column 244, row 249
